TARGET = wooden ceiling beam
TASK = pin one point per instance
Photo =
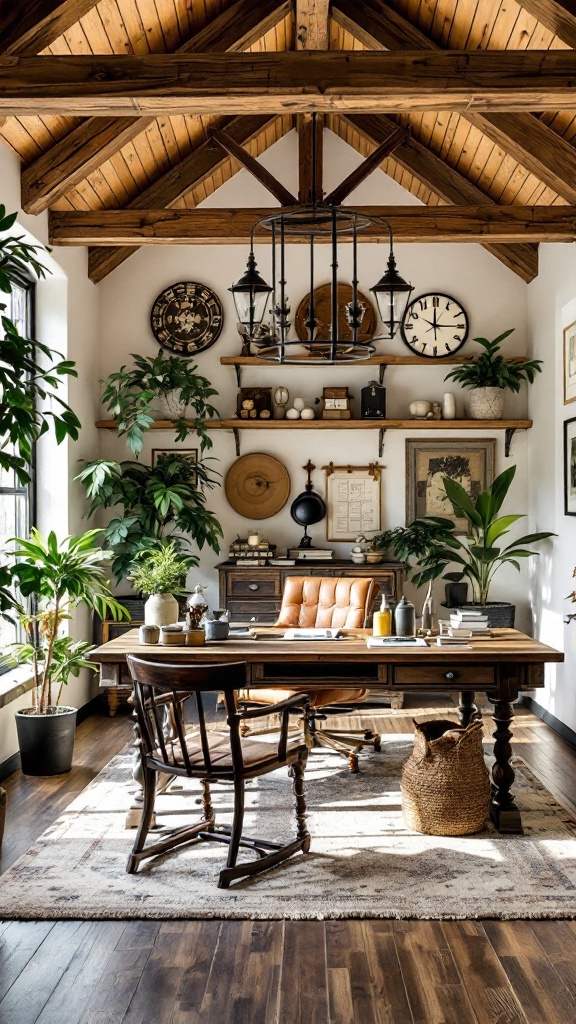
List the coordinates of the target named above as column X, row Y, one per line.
column 448, row 184
column 312, row 30
column 258, row 171
column 29, row 26
column 234, row 226
column 93, row 142
column 242, row 83
column 203, row 162
column 559, row 18
column 372, row 161
column 312, row 33
column 531, row 142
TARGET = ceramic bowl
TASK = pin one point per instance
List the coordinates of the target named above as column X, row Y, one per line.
column 373, row 557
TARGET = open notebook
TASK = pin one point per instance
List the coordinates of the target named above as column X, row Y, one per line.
column 312, row 633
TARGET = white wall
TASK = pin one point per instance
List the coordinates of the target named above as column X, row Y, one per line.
column 67, row 319
column 494, row 297
column 551, row 307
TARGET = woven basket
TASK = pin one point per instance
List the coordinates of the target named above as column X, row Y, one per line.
column 445, row 781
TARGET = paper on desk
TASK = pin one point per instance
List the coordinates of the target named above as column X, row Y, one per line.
column 312, row 633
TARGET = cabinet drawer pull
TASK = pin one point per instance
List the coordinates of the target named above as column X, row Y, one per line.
column 253, row 586
column 449, row 675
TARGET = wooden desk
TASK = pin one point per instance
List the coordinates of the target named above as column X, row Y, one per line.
column 500, row 666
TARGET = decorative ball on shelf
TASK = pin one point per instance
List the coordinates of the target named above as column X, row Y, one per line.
column 299, row 404
column 292, row 414
column 307, row 413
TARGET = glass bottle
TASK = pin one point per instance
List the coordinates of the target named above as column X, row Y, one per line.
column 382, row 620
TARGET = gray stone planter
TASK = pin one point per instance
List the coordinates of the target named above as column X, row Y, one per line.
column 486, row 403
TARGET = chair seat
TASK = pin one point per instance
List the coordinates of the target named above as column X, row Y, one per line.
column 318, row 698
column 255, row 753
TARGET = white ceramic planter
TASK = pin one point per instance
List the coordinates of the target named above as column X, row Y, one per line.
column 160, row 610
column 486, row 403
column 169, row 405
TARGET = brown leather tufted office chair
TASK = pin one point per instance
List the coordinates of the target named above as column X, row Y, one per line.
column 343, row 602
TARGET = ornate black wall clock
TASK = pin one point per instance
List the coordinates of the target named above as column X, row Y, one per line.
column 186, row 318
column 434, row 325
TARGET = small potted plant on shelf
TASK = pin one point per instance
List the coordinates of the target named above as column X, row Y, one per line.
column 130, row 395
column 164, row 502
column 490, row 376
column 56, row 577
column 160, row 573
column 480, row 554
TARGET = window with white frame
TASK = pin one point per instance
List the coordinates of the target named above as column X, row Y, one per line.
column 16, row 499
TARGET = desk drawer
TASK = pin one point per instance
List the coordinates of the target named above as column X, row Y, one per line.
column 253, row 584
column 445, row 676
column 265, row 612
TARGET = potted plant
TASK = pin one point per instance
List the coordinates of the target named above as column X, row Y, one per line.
column 490, row 376
column 167, row 502
column 480, row 554
column 417, row 544
column 130, row 394
column 56, row 577
column 160, row 573
column 30, row 372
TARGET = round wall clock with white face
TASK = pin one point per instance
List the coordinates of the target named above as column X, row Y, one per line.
column 434, row 325
column 186, row 318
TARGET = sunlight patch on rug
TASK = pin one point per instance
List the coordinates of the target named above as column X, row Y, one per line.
column 363, row 862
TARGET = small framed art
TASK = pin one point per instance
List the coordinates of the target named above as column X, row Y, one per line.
column 570, row 364
column 471, row 463
column 191, row 454
column 353, row 500
column 570, row 467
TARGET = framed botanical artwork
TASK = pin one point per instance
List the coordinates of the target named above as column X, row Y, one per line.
column 570, row 467
column 189, row 453
column 471, row 463
column 353, row 501
column 570, row 364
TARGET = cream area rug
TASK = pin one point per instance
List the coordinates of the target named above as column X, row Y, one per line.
column 363, row 862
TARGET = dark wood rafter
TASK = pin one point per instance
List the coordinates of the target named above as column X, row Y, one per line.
column 275, row 187
column 97, row 139
column 28, row 27
column 559, row 17
column 241, row 83
column 531, row 142
column 446, row 183
column 409, row 224
column 172, row 186
column 356, row 177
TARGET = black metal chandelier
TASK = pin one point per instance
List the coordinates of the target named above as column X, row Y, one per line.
column 315, row 222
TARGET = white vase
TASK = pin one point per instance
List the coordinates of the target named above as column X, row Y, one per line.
column 486, row 403
column 169, row 405
column 160, row 610
column 449, row 406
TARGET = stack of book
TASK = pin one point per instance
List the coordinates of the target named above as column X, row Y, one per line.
column 465, row 618
column 251, row 554
column 311, row 554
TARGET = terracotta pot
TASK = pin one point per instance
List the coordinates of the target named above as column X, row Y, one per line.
column 486, row 403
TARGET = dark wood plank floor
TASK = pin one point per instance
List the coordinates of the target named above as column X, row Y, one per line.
column 280, row 972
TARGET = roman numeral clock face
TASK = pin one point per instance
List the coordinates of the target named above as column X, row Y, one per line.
column 434, row 326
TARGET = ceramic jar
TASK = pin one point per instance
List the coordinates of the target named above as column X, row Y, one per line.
column 160, row 610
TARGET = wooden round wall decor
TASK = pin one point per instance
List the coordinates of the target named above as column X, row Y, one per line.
column 323, row 312
column 257, row 486
column 186, row 318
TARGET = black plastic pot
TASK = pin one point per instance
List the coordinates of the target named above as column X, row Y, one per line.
column 501, row 614
column 46, row 741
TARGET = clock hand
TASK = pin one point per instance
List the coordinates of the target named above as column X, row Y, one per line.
column 434, row 324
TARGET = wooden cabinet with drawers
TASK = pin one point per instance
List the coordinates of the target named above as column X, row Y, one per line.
column 255, row 593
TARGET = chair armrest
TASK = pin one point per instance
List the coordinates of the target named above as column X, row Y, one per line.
column 299, row 700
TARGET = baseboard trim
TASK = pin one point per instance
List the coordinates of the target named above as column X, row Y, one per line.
column 12, row 764
column 554, row 723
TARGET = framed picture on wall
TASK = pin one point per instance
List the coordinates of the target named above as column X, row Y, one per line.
column 570, row 364
column 471, row 463
column 353, row 501
column 191, row 454
column 570, row 467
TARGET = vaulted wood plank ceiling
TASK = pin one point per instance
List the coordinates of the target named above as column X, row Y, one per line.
column 477, row 157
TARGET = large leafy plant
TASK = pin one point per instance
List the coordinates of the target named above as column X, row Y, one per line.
column 30, row 372
column 56, row 577
column 129, row 395
column 480, row 554
column 160, row 570
column 167, row 502
column 491, row 370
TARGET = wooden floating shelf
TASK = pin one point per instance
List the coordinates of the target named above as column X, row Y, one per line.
column 235, row 425
column 381, row 361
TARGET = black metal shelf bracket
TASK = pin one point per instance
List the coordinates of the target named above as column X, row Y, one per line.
column 381, row 373
column 508, row 435
column 236, row 433
column 381, row 434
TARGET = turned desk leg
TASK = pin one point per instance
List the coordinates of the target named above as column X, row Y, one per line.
column 503, row 811
column 467, row 708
